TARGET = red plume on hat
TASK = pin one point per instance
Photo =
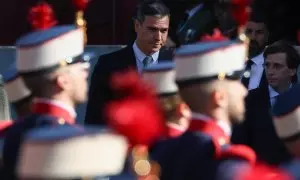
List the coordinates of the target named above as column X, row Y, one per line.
column 240, row 11
column 216, row 36
column 136, row 114
column 42, row 16
column 80, row 4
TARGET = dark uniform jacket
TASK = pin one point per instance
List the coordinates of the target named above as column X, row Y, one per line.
column 203, row 152
column 44, row 114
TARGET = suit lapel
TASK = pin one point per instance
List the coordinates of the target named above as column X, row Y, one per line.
column 129, row 57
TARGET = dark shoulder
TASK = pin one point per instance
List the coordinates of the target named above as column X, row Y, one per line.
column 119, row 53
column 257, row 94
column 197, row 140
column 229, row 169
column 254, row 92
column 166, row 54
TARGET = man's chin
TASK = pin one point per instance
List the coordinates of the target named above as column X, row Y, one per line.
column 156, row 48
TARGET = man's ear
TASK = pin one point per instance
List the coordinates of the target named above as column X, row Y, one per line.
column 219, row 97
column 137, row 24
column 62, row 82
column 292, row 72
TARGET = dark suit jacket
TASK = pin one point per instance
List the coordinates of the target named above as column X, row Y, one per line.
column 100, row 92
column 257, row 131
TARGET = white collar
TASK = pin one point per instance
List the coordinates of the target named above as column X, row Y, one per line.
column 141, row 56
column 175, row 126
column 194, row 10
column 259, row 59
column 225, row 126
column 60, row 104
column 274, row 93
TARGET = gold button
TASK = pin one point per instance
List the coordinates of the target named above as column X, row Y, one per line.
column 61, row 121
column 221, row 76
column 222, row 141
column 142, row 167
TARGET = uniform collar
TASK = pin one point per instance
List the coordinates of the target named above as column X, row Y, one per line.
column 141, row 56
column 219, row 130
column 175, row 129
column 54, row 108
column 225, row 127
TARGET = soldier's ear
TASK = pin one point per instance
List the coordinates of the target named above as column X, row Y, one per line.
column 219, row 98
column 62, row 82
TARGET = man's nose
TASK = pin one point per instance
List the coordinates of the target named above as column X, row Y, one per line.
column 270, row 72
column 157, row 35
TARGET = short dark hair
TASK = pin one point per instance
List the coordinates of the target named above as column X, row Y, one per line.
column 40, row 85
column 292, row 56
column 151, row 8
column 169, row 105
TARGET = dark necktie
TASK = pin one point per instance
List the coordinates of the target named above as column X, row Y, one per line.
column 147, row 61
column 247, row 73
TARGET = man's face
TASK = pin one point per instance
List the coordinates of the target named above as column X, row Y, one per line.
column 258, row 35
column 236, row 101
column 78, row 77
column 152, row 33
column 277, row 72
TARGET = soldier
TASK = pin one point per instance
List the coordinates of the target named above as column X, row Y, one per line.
column 136, row 115
column 71, row 152
column 161, row 76
column 52, row 62
column 18, row 94
column 207, row 75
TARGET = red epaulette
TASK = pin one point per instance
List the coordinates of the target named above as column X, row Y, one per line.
column 4, row 125
column 238, row 151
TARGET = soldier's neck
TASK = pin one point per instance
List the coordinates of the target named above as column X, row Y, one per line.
column 66, row 100
column 216, row 114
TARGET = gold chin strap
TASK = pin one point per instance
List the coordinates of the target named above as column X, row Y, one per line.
column 144, row 168
column 81, row 22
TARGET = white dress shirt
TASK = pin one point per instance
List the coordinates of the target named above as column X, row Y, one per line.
column 273, row 95
column 257, row 69
column 140, row 56
column 201, row 117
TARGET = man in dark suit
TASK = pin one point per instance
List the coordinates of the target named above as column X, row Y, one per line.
column 258, row 34
column 257, row 131
column 151, row 26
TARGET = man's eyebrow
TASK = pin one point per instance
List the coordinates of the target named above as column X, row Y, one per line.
column 152, row 27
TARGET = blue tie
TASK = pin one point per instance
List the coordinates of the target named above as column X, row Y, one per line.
column 147, row 61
